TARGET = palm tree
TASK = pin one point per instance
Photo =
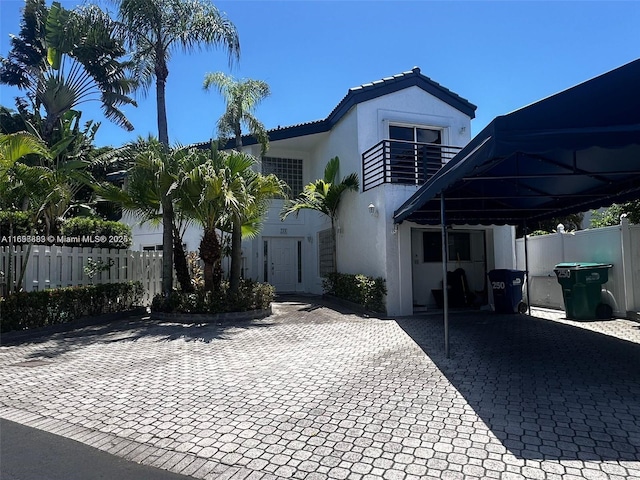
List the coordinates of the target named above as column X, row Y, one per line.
column 14, row 147
column 212, row 194
column 45, row 190
column 241, row 97
column 64, row 58
column 155, row 29
column 260, row 190
column 323, row 196
column 153, row 180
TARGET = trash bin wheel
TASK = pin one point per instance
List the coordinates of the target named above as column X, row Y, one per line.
column 604, row 311
column 522, row 308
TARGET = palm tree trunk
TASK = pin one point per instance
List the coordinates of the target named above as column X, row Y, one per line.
column 167, row 206
column 47, row 129
column 236, row 237
column 335, row 251
column 18, row 286
column 161, row 80
column 180, row 262
column 10, row 259
column 236, row 255
column 210, row 253
column 167, row 246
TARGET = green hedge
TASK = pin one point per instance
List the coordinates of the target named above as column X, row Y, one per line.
column 366, row 291
column 251, row 296
column 14, row 221
column 27, row 310
column 84, row 231
column 111, row 234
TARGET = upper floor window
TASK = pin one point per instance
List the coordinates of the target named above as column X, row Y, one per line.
column 415, row 134
column 415, row 153
column 289, row 170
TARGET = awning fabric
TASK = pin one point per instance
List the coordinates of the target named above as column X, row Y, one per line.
column 568, row 153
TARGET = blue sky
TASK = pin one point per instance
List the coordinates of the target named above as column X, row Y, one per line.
column 498, row 55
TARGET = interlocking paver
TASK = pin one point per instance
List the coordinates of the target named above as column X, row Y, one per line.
column 311, row 393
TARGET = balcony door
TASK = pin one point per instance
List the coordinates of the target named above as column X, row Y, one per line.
column 415, row 153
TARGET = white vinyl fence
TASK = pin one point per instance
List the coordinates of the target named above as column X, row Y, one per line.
column 618, row 245
column 55, row 267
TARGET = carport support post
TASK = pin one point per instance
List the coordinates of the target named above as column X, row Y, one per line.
column 526, row 266
column 445, row 295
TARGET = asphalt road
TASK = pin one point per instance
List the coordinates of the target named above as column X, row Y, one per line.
column 30, row 454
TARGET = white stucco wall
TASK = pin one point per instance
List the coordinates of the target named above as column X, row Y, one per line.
column 368, row 244
column 147, row 235
column 375, row 246
column 504, row 253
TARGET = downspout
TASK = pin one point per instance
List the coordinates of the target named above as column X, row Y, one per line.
column 445, row 286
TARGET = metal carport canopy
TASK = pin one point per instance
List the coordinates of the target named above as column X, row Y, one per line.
column 568, row 153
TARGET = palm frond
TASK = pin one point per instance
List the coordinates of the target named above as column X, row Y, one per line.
column 322, row 195
column 15, row 146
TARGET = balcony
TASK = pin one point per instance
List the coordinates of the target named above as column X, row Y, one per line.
column 403, row 163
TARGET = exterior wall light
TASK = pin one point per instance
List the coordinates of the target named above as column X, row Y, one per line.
column 373, row 210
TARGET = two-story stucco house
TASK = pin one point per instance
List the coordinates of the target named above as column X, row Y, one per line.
column 393, row 133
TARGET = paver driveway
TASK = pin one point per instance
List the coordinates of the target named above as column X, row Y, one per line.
column 314, row 393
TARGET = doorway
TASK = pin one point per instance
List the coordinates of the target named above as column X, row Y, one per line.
column 467, row 251
column 282, row 263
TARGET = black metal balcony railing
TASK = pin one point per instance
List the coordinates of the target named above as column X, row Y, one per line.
column 406, row 163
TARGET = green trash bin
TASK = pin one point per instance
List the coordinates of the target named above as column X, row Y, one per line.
column 581, row 286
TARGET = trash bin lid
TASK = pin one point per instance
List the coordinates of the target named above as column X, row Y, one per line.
column 582, row 265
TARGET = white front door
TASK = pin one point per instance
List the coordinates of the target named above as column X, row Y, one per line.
column 282, row 267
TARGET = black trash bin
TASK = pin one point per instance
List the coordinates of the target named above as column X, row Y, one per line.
column 507, row 290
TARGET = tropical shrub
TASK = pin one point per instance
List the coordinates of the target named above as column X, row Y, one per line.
column 611, row 216
column 366, row 291
column 27, row 310
column 251, row 296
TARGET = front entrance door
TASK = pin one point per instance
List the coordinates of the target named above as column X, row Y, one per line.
column 282, row 268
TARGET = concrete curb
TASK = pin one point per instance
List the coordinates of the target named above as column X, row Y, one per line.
column 211, row 318
column 332, row 300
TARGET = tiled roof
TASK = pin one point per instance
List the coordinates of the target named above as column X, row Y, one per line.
column 369, row 91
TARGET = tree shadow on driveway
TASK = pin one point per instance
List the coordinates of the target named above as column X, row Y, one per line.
column 47, row 344
column 546, row 390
